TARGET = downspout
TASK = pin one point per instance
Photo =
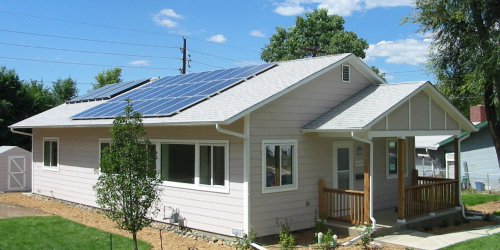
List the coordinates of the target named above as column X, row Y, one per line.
column 459, row 168
column 246, row 167
column 19, row 132
column 374, row 222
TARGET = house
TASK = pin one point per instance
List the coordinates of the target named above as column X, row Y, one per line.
column 283, row 140
column 15, row 169
column 478, row 154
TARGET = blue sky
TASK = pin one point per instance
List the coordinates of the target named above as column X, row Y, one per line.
column 51, row 39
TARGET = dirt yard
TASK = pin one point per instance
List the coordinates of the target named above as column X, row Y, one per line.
column 38, row 205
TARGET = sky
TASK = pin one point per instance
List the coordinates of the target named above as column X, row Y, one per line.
column 52, row 39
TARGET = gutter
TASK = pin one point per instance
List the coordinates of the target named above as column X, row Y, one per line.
column 459, row 168
column 246, row 167
column 19, row 132
column 374, row 222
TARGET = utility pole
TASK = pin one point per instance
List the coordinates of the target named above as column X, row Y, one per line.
column 183, row 71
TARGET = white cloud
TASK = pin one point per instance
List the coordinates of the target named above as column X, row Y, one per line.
column 139, row 62
column 409, row 51
column 339, row 7
column 164, row 18
column 217, row 39
column 257, row 33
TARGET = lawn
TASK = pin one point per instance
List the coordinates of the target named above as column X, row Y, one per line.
column 484, row 243
column 472, row 199
column 53, row 232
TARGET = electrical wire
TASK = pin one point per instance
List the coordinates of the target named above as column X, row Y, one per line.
column 87, row 64
column 220, row 57
column 89, row 40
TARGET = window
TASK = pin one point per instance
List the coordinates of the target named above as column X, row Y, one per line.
column 279, row 166
column 199, row 165
column 345, row 73
column 392, row 159
column 51, row 153
column 105, row 143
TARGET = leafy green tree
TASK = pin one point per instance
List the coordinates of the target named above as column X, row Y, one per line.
column 64, row 90
column 39, row 97
column 106, row 77
column 128, row 190
column 317, row 34
column 377, row 70
column 465, row 53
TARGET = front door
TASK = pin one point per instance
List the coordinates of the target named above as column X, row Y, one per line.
column 342, row 165
column 17, row 173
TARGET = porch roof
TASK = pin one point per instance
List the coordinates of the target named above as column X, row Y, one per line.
column 363, row 110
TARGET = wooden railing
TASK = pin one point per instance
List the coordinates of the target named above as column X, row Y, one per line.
column 428, row 198
column 342, row 205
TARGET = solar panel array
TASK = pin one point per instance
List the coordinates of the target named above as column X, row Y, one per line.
column 108, row 91
column 170, row 95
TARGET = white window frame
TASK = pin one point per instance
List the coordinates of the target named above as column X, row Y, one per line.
column 197, row 144
column 295, row 165
column 51, row 139
column 342, row 72
column 101, row 140
column 394, row 176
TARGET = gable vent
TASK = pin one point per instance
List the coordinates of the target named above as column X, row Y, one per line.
column 345, row 73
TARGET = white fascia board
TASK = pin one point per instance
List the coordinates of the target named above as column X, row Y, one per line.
column 368, row 72
column 404, row 133
column 346, row 130
column 105, row 125
column 292, row 87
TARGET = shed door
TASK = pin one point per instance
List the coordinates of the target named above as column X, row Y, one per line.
column 17, row 172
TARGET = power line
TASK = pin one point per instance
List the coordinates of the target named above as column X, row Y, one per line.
column 91, row 40
column 87, row 64
column 87, row 51
column 220, row 57
column 126, row 29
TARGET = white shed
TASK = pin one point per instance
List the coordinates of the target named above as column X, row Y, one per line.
column 15, row 169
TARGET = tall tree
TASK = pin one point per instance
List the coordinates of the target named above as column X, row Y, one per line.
column 466, row 49
column 128, row 190
column 317, row 34
column 106, row 77
column 64, row 90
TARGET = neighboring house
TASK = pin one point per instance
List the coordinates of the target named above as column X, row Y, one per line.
column 243, row 152
column 479, row 158
column 15, row 169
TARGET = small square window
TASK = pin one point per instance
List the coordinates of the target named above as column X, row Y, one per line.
column 51, row 153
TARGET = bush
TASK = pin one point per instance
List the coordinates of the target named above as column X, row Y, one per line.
column 286, row 239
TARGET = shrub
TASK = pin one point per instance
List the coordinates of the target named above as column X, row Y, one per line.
column 286, row 239
column 244, row 242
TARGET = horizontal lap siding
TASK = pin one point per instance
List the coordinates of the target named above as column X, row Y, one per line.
column 79, row 152
column 282, row 120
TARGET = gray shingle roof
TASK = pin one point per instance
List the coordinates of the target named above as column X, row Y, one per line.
column 365, row 107
column 223, row 108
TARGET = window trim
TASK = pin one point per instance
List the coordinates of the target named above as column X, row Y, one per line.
column 101, row 141
column 394, row 176
column 51, row 168
column 295, row 165
column 349, row 72
column 196, row 185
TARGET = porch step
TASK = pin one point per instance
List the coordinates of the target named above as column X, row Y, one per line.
column 388, row 225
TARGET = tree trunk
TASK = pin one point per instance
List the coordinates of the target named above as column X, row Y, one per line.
column 134, row 237
column 491, row 116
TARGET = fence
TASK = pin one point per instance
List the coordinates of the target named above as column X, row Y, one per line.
column 483, row 182
column 342, row 205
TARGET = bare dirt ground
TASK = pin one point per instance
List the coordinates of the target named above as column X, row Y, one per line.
column 37, row 205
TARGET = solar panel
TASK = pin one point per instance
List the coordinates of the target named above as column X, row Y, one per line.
column 170, row 95
column 108, row 91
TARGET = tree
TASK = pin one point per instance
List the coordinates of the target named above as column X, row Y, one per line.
column 106, row 77
column 128, row 190
column 317, row 34
column 377, row 70
column 465, row 53
column 64, row 90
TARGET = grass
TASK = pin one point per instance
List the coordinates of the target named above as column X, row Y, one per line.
column 53, row 232
column 484, row 243
column 472, row 199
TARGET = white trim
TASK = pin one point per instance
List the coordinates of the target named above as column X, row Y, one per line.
column 445, row 120
column 51, row 168
column 342, row 144
column 399, row 133
column 430, row 113
column 23, row 171
column 348, row 72
column 295, row 185
column 395, row 176
column 409, row 114
column 246, row 173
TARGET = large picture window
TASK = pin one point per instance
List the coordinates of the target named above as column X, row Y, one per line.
column 178, row 162
column 279, row 166
column 51, row 153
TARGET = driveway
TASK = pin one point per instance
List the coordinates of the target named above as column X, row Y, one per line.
column 9, row 211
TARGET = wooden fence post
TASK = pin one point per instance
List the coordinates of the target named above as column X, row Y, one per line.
column 321, row 198
column 415, row 177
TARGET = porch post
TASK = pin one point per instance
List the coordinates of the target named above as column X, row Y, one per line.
column 456, row 150
column 401, row 181
column 366, row 183
column 321, row 198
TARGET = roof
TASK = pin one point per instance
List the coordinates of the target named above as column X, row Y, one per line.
column 243, row 98
column 434, row 142
column 5, row 148
column 362, row 109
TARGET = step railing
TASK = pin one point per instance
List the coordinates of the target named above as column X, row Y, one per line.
column 342, row 205
column 428, row 198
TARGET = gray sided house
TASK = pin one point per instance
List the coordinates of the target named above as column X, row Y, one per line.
column 15, row 169
column 240, row 147
column 478, row 155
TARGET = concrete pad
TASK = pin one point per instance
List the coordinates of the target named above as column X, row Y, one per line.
column 9, row 211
